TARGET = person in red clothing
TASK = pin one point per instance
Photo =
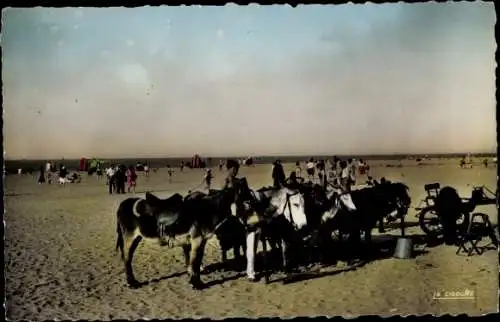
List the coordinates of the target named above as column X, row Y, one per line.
column 131, row 178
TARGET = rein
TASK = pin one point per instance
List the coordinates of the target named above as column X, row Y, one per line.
column 287, row 203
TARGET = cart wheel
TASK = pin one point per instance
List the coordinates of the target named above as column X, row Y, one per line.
column 430, row 223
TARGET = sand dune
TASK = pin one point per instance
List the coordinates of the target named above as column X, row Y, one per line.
column 61, row 263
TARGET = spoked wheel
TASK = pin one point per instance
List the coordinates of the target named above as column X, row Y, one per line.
column 430, row 223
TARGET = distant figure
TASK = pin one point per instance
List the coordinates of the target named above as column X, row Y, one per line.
column 120, row 178
column 345, row 186
column 485, row 163
column 110, row 173
column 48, row 169
column 221, row 165
column 322, row 174
column 293, row 182
column 131, row 178
column 278, row 174
column 310, row 169
column 181, row 166
column 170, row 172
column 99, row 172
column 298, row 170
column 41, row 177
column 345, row 181
column 208, row 179
column 462, row 162
column 233, row 167
column 352, row 170
column 63, row 172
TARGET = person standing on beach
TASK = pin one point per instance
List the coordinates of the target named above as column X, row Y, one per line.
column 131, row 178
column 298, row 170
column 170, row 172
column 310, row 169
column 120, row 179
column 99, row 172
column 278, row 174
column 41, row 177
column 110, row 173
column 352, row 170
column 208, row 179
column 48, row 169
column 181, row 166
column 233, row 167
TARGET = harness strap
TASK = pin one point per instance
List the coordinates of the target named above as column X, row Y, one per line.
column 287, row 203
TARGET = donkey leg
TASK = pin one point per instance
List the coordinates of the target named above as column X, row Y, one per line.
column 265, row 269
column 186, row 249
column 381, row 228
column 131, row 244
column 250, row 254
column 195, row 262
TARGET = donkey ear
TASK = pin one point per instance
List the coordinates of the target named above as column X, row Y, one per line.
column 151, row 199
column 176, row 200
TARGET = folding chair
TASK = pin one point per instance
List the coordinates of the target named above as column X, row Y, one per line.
column 475, row 233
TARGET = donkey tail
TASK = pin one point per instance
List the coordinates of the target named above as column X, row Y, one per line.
column 119, row 239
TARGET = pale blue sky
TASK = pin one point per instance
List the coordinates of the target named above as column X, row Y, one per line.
column 258, row 80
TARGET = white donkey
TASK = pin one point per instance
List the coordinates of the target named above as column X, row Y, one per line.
column 271, row 204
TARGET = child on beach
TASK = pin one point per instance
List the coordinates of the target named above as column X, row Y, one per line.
column 170, row 172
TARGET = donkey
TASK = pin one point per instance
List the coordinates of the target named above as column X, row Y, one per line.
column 138, row 218
column 188, row 222
column 231, row 235
column 276, row 215
column 372, row 205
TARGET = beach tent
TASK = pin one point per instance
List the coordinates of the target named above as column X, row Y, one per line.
column 195, row 161
column 84, row 164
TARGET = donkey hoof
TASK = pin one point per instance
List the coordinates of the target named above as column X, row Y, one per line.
column 196, row 283
column 252, row 279
column 133, row 284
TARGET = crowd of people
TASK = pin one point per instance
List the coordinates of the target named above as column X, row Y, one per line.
column 339, row 173
column 51, row 172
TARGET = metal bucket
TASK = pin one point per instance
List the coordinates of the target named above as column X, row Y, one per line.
column 404, row 248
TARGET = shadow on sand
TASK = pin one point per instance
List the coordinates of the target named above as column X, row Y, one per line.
column 382, row 247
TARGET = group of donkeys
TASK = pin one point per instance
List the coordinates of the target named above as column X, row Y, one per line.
column 289, row 218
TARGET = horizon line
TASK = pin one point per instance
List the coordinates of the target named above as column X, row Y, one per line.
column 252, row 156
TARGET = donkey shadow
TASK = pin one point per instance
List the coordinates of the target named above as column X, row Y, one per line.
column 233, row 268
column 382, row 247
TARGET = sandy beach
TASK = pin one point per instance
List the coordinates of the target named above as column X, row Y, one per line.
column 61, row 263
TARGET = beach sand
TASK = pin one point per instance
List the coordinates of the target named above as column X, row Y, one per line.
column 61, row 263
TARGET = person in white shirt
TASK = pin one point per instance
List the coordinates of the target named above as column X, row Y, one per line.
column 345, row 186
column 110, row 172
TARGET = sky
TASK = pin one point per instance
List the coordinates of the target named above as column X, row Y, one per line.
column 249, row 80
